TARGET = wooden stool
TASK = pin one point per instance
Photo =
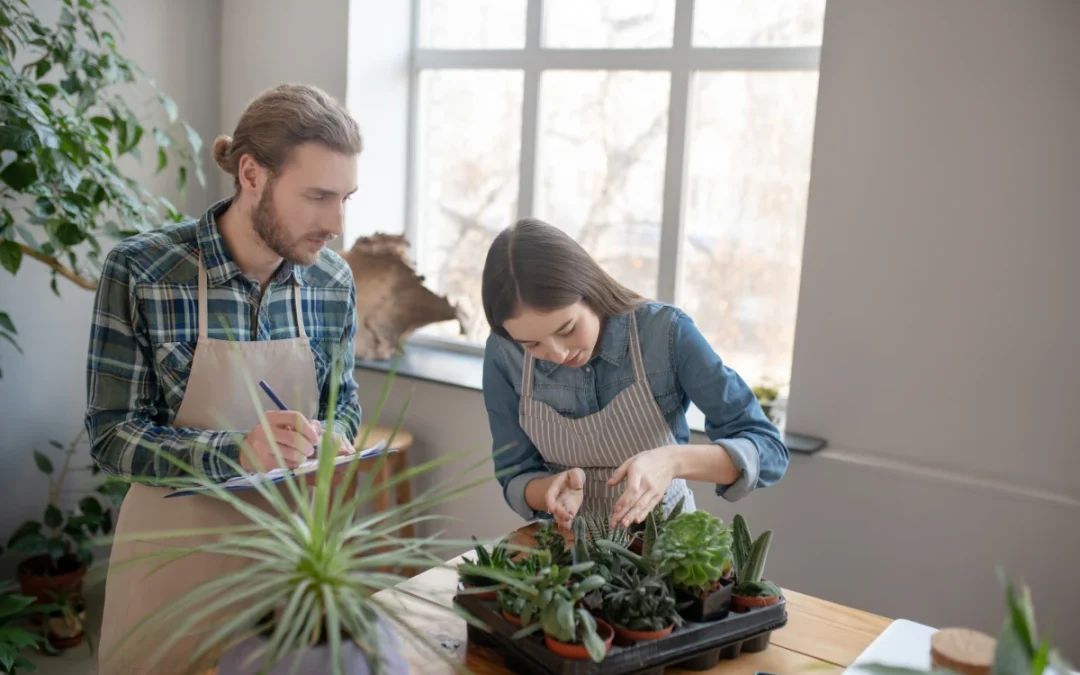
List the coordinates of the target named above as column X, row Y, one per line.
column 395, row 463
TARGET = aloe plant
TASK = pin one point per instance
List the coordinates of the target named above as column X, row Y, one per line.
column 499, row 558
column 637, row 601
column 750, row 561
column 655, row 523
column 694, row 551
column 316, row 567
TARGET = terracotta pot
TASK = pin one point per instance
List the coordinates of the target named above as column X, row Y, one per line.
column 744, row 603
column 66, row 632
column 35, row 581
column 485, row 595
column 578, row 652
column 516, row 620
column 625, row 637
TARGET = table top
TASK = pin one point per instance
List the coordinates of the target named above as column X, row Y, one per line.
column 820, row 636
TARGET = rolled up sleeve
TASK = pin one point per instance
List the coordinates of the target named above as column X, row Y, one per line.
column 517, row 461
column 734, row 419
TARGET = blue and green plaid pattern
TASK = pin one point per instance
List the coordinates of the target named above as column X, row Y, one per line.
column 145, row 325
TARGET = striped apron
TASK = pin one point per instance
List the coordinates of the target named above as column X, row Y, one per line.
column 599, row 443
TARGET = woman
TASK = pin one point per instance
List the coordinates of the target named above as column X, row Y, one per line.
column 587, row 384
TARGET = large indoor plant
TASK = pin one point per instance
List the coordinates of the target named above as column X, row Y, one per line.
column 307, row 602
column 59, row 548
column 64, row 128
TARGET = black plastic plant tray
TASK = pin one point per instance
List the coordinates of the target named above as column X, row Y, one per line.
column 692, row 646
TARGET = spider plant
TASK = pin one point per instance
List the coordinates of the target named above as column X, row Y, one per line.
column 316, row 564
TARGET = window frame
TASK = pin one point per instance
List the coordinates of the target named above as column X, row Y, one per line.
column 681, row 60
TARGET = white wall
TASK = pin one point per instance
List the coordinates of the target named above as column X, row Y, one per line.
column 43, row 393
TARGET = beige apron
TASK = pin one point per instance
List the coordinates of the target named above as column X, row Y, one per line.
column 216, row 397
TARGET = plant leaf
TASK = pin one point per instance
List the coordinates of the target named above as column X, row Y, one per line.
column 6, row 324
column 43, row 463
column 10, row 255
column 54, row 517
column 170, row 107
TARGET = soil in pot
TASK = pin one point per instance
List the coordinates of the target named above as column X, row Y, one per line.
column 713, row 606
column 624, row 637
column 247, row 658
column 578, row 652
column 40, row 578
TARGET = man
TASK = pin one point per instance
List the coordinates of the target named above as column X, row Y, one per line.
column 189, row 315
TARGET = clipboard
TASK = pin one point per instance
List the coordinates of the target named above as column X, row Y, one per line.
column 249, row 481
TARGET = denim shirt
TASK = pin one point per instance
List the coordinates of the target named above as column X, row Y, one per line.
column 681, row 368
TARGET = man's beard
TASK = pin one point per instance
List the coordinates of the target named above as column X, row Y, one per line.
column 270, row 229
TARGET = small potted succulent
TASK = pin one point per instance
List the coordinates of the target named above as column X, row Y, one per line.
column 640, row 606
column 499, row 559
column 694, row 553
column 548, row 538
column 751, row 590
column 67, row 618
column 773, row 404
column 511, row 600
column 569, row 629
column 654, row 524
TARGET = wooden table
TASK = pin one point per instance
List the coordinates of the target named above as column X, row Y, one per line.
column 820, row 637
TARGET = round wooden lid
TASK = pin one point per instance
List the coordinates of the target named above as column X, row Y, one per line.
column 963, row 650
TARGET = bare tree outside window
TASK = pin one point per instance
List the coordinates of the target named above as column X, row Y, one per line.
column 595, row 147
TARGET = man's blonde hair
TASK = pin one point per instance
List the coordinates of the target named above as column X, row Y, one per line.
column 282, row 118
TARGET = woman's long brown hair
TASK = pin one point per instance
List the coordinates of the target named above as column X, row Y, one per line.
column 536, row 265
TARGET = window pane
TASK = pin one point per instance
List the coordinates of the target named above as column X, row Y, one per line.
column 758, row 23
column 749, row 171
column 468, row 132
column 471, row 24
column 626, row 24
column 600, row 170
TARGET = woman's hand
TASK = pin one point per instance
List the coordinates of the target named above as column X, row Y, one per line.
column 647, row 476
column 564, row 495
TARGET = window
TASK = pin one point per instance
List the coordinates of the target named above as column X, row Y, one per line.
column 672, row 138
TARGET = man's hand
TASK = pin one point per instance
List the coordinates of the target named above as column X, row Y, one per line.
column 344, row 447
column 294, row 436
column 564, row 495
column 647, row 476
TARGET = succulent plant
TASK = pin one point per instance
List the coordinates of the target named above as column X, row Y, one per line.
column 694, row 551
column 637, row 601
column 655, row 523
column 498, row 559
column 750, row 561
column 556, row 599
column 548, row 538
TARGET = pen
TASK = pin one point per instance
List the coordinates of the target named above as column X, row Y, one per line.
column 272, row 395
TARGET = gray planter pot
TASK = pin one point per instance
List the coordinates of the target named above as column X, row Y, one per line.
column 240, row 660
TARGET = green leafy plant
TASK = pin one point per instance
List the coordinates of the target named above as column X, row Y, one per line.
column 557, row 600
column 317, row 560
column 548, row 538
column 1019, row 651
column 637, row 601
column 64, row 127
column 750, row 561
column 694, row 551
column 14, row 609
column 499, row 558
column 67, row 536
column 655, row 523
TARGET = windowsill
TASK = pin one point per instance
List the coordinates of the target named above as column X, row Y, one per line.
column 465, row 371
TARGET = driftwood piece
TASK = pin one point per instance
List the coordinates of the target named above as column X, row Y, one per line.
column 391, row 299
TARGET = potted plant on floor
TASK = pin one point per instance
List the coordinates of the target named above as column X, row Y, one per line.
column 15, row 609
column 60, row 545
column 751, row 590
column 694, row 553
column 66, row 622
column 307, row 603
column 640, row 606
